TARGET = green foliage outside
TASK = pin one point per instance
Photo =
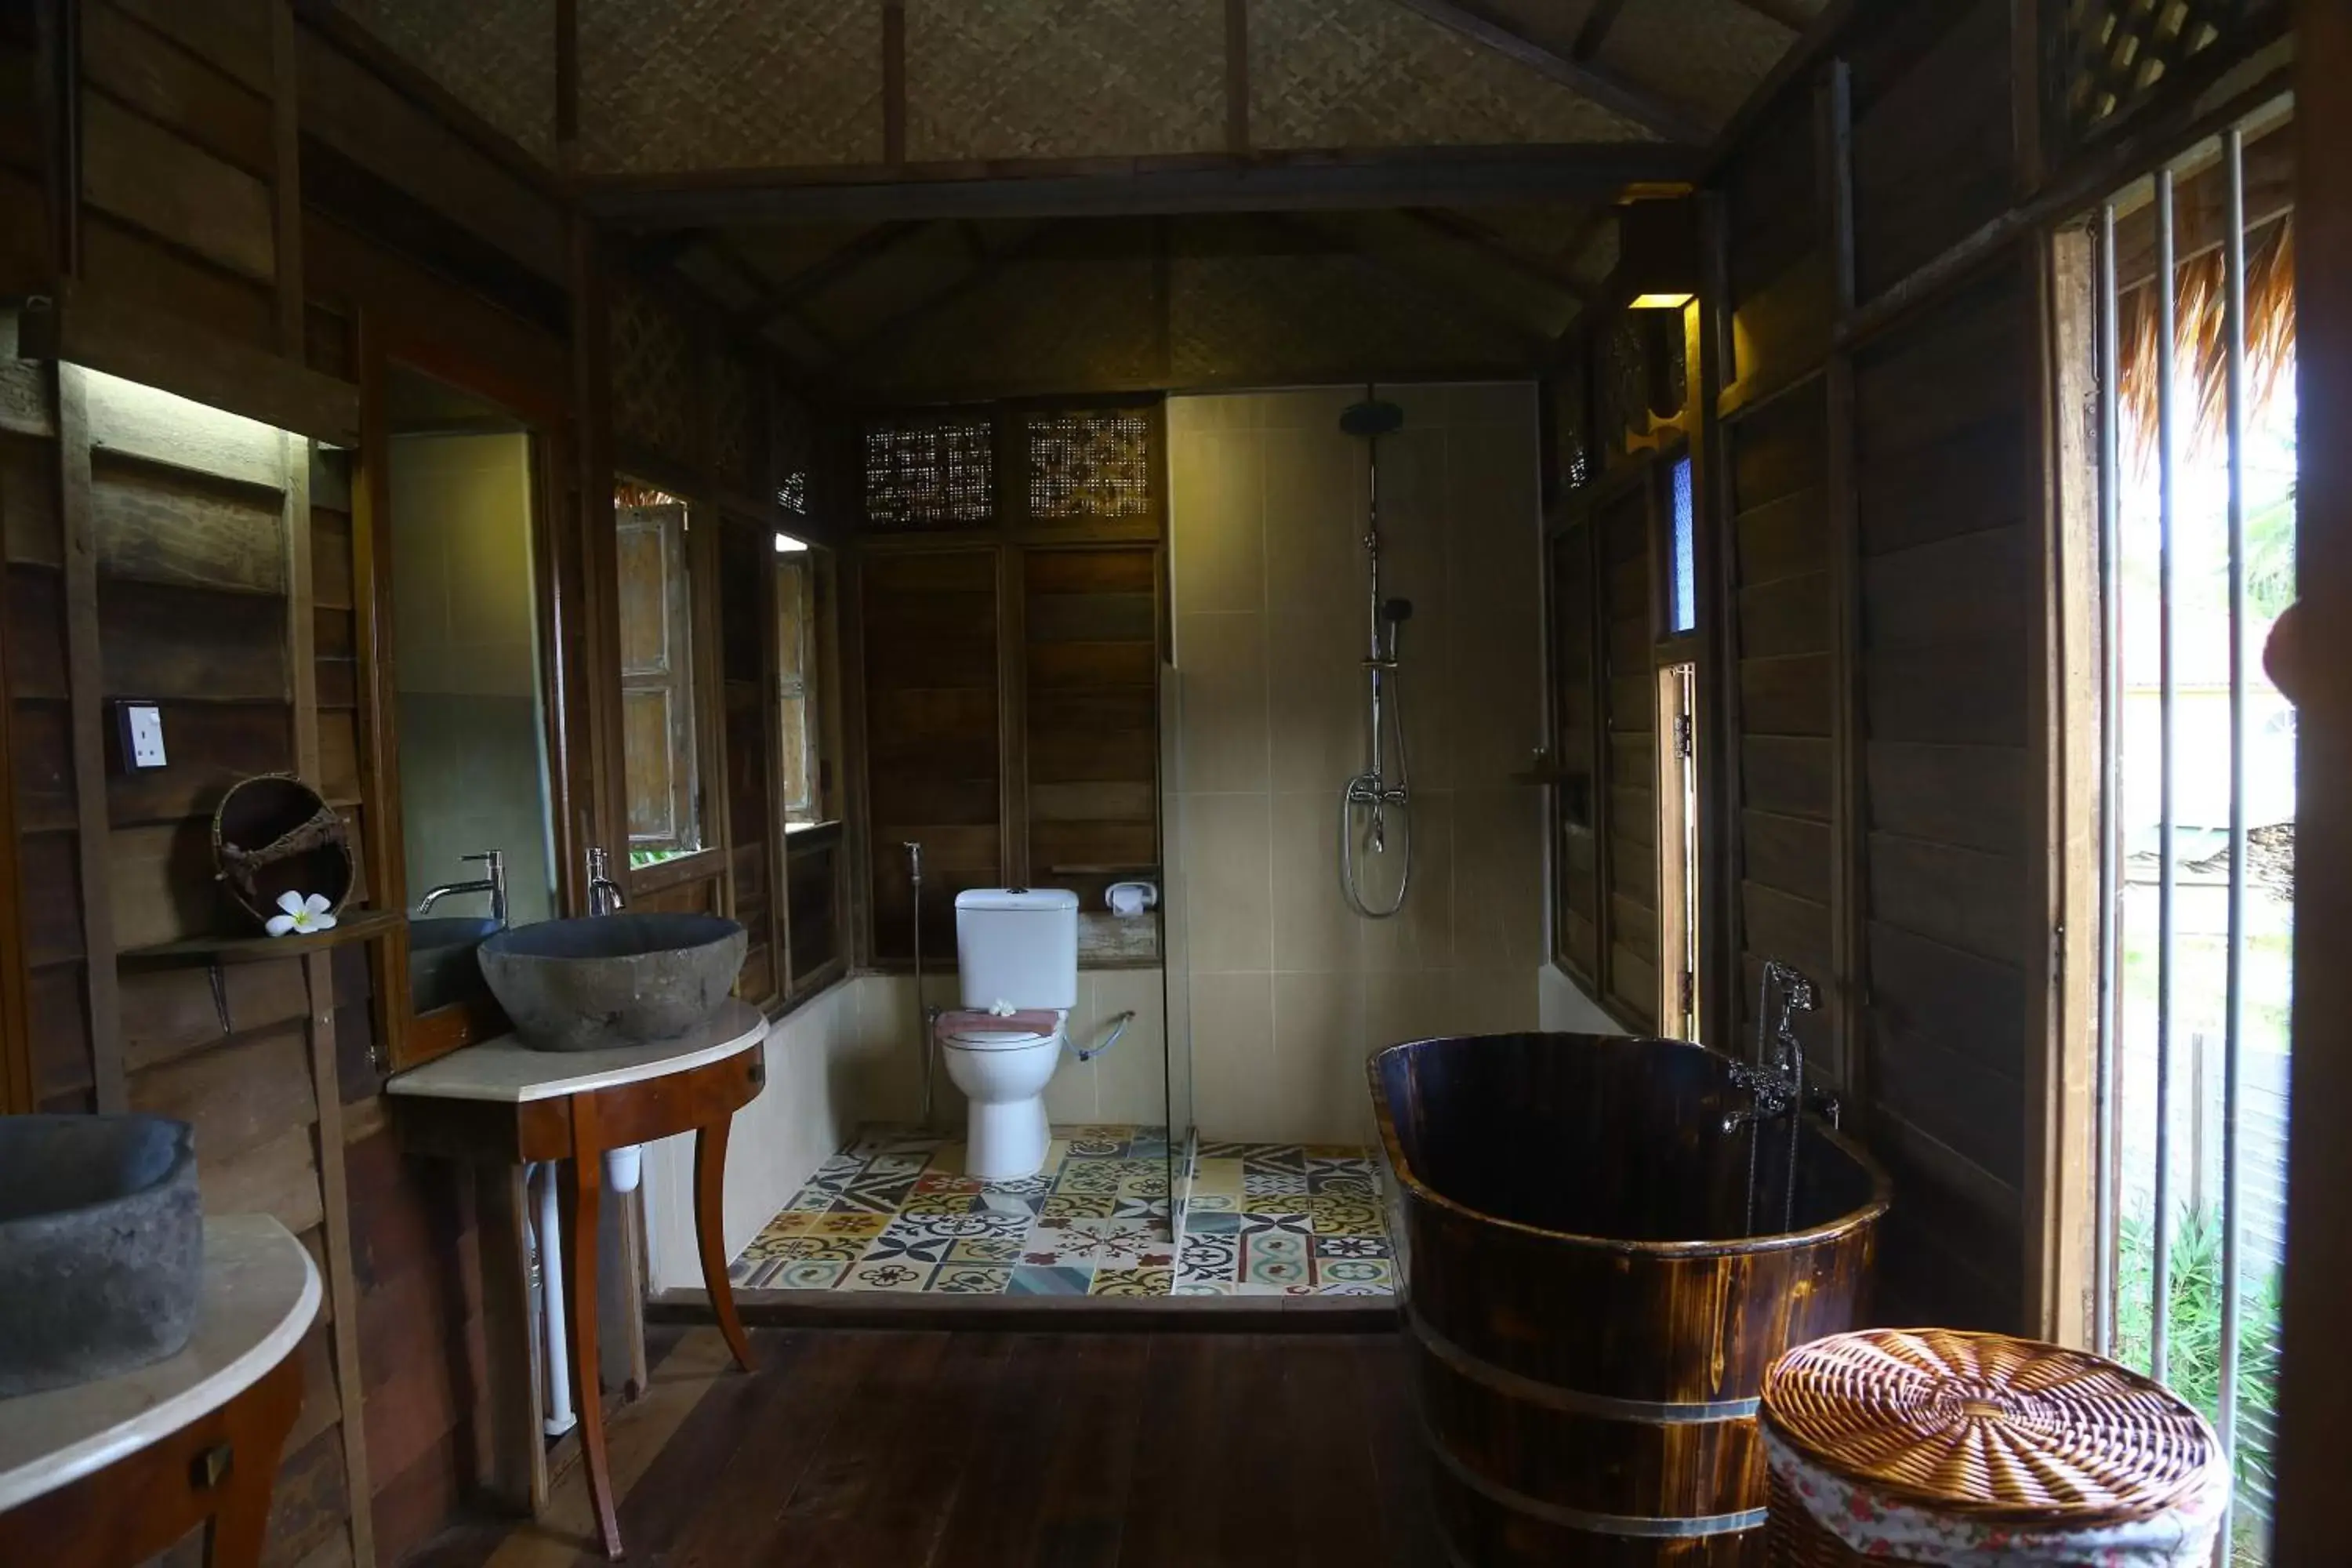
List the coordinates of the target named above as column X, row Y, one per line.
column 2193, row 1350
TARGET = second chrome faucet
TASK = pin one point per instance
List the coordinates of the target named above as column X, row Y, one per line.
column 493, row 881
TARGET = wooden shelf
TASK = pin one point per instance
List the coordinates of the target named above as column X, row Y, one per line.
column 359, row 925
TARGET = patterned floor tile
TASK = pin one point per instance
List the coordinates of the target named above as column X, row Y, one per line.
column 806, row 1274
column 970, row 1280
column 1090, row 1177
column 895, row 1212
column 893, row 1274
column 1375, row 1271
column 1132, row 1282
column 1098, row 1242
column 1254, row 1223
column 1336, row 1216
column 1031, row 1279
column 1208, row 1256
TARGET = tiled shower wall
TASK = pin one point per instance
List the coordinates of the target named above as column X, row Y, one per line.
column 1289, row 990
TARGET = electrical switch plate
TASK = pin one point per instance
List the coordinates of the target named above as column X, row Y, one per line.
column 141, row 732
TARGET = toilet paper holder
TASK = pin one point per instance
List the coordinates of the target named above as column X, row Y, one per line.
column 1137, row 897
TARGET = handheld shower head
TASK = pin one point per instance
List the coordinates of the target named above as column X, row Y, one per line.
column 1371, row 417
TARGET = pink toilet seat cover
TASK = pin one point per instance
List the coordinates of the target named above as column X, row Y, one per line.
column 971, row 1021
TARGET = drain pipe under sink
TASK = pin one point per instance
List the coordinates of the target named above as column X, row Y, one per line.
column 543, row 1180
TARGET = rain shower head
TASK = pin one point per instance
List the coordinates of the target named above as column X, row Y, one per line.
column 1372, row 417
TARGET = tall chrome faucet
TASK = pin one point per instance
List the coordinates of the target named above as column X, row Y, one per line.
column 1775, row 1083
column 493, row 882
column 603, row 893
column 1775, row 1079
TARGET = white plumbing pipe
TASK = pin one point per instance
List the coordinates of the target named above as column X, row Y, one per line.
column 623, row 1167
column 554, row 1340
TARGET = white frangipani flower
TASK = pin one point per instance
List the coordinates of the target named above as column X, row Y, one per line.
column 303, row 915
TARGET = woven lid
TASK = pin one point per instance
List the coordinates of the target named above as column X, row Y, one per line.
column 1987, row 1425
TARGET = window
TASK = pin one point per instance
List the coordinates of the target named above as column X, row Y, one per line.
column 1678, row 849
column 800, row 787
column 659, row 729
column 2193, row 300
column 1682, row 582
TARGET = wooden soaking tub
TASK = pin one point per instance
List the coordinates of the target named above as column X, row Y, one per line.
column 1588, row 1317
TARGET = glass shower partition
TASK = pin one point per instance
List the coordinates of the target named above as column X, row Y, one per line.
column 1175, row 964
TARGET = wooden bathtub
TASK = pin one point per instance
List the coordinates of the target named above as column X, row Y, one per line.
column 1589, row 1320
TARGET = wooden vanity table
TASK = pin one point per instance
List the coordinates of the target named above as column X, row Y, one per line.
column 502, row 1102
column 109, row 1473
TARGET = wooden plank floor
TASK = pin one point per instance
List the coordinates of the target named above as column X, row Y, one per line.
column 975, row 1448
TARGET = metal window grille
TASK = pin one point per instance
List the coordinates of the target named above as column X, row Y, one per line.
column 935, row 473
column 1093, row 464
column 2180, row 1232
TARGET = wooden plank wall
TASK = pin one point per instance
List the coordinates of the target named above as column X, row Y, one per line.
column 747, row 637
column 1091, row 620
column 1887, row 523
column 933, row 750
column 1576, row 745
column 1785, row 628
column 1630, row 765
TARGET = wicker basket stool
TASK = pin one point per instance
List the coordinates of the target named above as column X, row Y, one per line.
column 1933, row 1448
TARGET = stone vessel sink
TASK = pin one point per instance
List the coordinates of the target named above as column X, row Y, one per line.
column 101, row 1246
column 616, row 980
column 441, row 967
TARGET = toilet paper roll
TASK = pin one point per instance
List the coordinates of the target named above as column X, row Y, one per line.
column 1128, row 899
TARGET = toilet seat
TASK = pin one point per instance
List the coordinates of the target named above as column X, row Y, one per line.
column 970, row 1036
column 993, row 1040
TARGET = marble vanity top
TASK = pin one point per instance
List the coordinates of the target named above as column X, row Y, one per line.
column 261, row 1291
column 506, row 1070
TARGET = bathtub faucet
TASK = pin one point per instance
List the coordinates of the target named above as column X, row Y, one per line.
column 1776, row 1082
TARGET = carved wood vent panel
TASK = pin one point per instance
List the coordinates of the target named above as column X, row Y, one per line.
column 792, row 447
column 1096, row 463
column 653, row 376
column 2119, row 54
column 937, row 472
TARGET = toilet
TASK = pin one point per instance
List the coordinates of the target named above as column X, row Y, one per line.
column 1017, row 954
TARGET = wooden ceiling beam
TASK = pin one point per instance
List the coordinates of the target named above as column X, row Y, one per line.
column 1595, row 30
column 1603, row 86
column 1469, row 231
column 1446, row 292
column 1788, row 13
column 784, row 298
column 984, row 269
column 1135, row 187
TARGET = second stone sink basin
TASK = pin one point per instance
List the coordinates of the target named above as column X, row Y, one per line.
column 616, row 980
column 101, row 1246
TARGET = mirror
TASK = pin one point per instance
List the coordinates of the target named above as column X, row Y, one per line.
column 468, row 678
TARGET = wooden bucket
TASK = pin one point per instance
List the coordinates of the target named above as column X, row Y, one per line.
column 1589, row 1329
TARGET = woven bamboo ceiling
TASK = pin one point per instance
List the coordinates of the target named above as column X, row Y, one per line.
column 896, row 194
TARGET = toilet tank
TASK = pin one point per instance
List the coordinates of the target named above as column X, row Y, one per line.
column 1018, row 945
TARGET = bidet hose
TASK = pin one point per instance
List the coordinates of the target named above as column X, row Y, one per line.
column 1119, row 1027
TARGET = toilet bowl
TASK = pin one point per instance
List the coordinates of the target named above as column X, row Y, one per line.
column 1002, row 1074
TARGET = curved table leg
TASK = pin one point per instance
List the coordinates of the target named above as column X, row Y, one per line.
column 583, row 1181
column 709, row 1233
